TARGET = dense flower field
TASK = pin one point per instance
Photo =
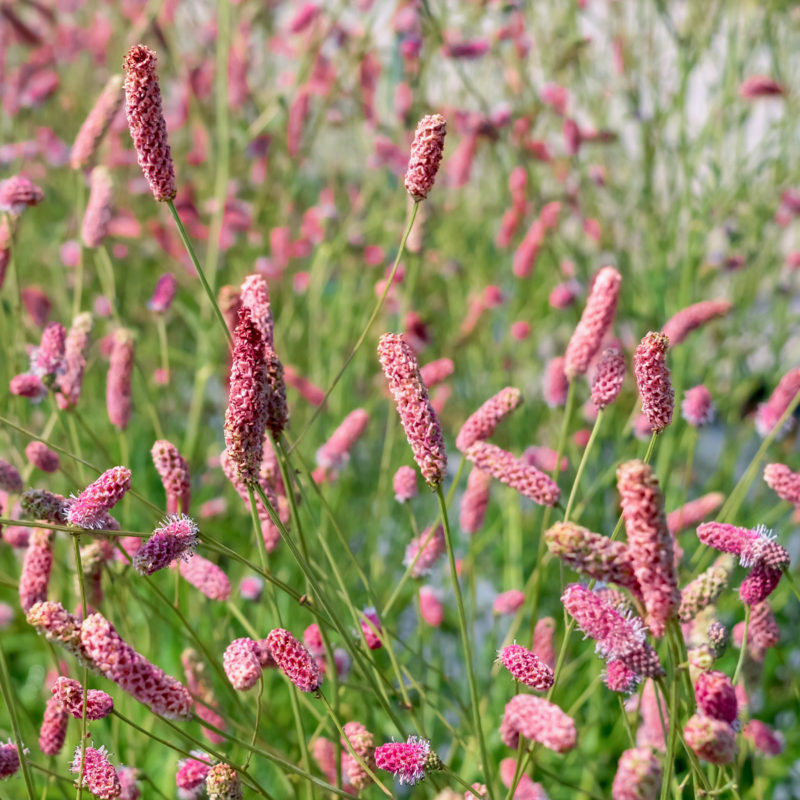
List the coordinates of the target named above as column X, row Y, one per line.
column 399, row 399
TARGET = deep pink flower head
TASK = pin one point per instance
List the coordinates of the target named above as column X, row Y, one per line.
column 99, row 776
column 426, row 155
column 430, row 606
column 18, row 193
column 146, row 122
column 424, row 551
column 540, row 721
column 608, row 377
column 42, row 457
column 555, row 383
column 294, row 660
column 436, row 371
column 255, row 297
column 53, row 731
column 784, row 482
column 371, row 627
column 638, row 775
column 526, row 667
column 69, row 694
column 163, row 294
column 47, row 360
column 474, row 501
column 312, row 639
column 28, row 385
column 408, row 761
column 76, row 347
column 760, row 583
column 9, row 760
column 404, row 484
column 10, row 479
column 619, row 677
column 715, row 696
column 174, row 473
column 481, row 424
column 711, row 739
column 693, row 317
column 133, row 673
column 175, row 539
column 421, row 425
column 118, row 382
column 594, row 323
column 206, row 577
column 335, row 453
column 652, row 378
column 242, row 664
column 36, row 567
column 508, row 469
column 363, row 744
column 698, row 408
column 99, row 211
column 764, row 738
column 508, row 602
column 91, row 133
column 760, row 86
column 192, row 772
column 88, row 509
column 650, row 544
column 694, row 512
column 526, row 789
column 769, row 413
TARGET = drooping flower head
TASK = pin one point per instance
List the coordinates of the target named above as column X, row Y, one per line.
column 481, row 424
column 652, row 378
column 426, row 155
column 526, row 667
column 89, row 508
column 609, row 376
column 91, row 133
column 294, row 660
column 175, row 539
column 99, row 775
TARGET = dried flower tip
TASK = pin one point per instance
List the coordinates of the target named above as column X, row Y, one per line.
column 69, row 694
column 652, row 379
column 609, row 376
column 294, row 660
column 426, row 155
column 89, row 508
column 526, row 667
column 99, row 776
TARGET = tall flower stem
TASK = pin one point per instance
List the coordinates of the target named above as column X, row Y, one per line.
column 582, row 465
column 5, row 686
column 462, row 622
column 76, row 549
column 360, row 340
column 743, row 648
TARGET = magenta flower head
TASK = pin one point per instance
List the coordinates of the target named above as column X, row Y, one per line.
column 99, row 209
column 760, row 583
column 404, row 484
column 650, row 544
column 638, row 775
column 363, row 744
column 146, row 122
column 408, row 761
column 424, row 551
column 76, row 347
column 53, row 731
column 715, row 696
column 255, row 297
column 508, row 469
column 426, row 155
column 481, row 424
column 9, row 760
column 540, row 721
column 222, row 783
column 475, row 500
column 175, row 539
column 421, row 425
column 47, row 360
column 18, row 193
column 118, row 382
column 652, row 378
column 88, row 509
column 69, row 694
column 711, row 739
column 91, row 133
column 191, row 774
column 784, row 482
column 619, row 677
column 335, row 453
column 28, row 385
column 99, row 776
column 206, row 577
column 42, row 457
column 609, row 376
column 594, row 323
column 525, row 667
column 36, row 567
column 174, row 473
column 698, row 408
column 242, row 664
column 693, row 317
column 294, row 660
column 769, row 413
column 10, row 479
column 163, row 294
column 371, row 628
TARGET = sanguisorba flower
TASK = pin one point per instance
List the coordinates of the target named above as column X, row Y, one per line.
column 53, row 731
column 650, row 544
column 163, row 294
column 10, row 479
column 769, row 413
column 192, row 772
column 9, row 760
column 474, row 501
column 426, row 155
column 200, row 687
column 363, row 744
column 56, row 624
column 693, row 317
column 206, row 577
column 146, row 121
column 336, row 451
column 98, row 210
column 404, row 484
column 91, row 133
column 175, row 539
column 36, row 567
column 540, row 721
column 42, row 457
column 90, row 507
column 594, row 323
column 408, row 761
column 254, row 296
column 419, row 420
column 710, row 739
column 69, row 694
column 18, row 193
column 424, row 551
column 715, row 696
column 697, row 408
column 481, row 424
column 638, row 775
column 702, row 592
column 242, row 664
column 75, row 349
column 652, row 379
column 526, row 667
column 222, row 783
column 294, row 660
column 118, row 383
column 609, row 376
column 99, row 775
column 174, row 473
column 784, row 482
column 47, row 360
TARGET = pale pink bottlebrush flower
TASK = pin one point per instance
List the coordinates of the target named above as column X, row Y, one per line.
column 421, row 425
column 760, row 86
column 508, row 469
column 174, row 473
column 254, row 295
column 769, row 413
column 118, row 382
column 474, row 501
column 609, row 376
column 36, row 567
column 294, row 660
column 784, row 482
column 146, row 122
column 191, row 774
column 91, row 133
column 56, row 624
column 53, row 731
column 75, row 349
column 481, row 424
column 690, row 319
column 335, row 453
column 715, row 696
column 363, row 744
column 18, row 193
column 508, row 602
column 424, row 551
column 89, row 509
column 206, row 577
column 97, row 217
column 652, row 379
column 710, row 739
column 592, row 554
column 99, row 776
column 69, row 694
column 540, row 721
column 47, row 360
column 426, row 155
column 698, row 408
column 430, row 606
column 242, row 664
column 619, row 677
column 42, row 457
column 28, row 385
column 371, row 628
column 404, row 484
column 222, row 783
column 436, row 371
column 408, row 761
column 764, row 738
column 526, row 788
column 132, row 672
column 555, row 384
column 163, row 294
column 526, row 667
column 175, row 539
column 9, row 760
column 638, row 775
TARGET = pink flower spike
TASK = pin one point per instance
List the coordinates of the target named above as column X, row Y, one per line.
column 697, row 408
column 18, row 193
column 42, row 457
column 715, row 696
column 335, row 453
column 242, row 664
column 769, row 413
column 36, row 567
column 764, row 739
column 88, row 510
column 540, row 721
column 408, row 761
column 759, row 584
column 76, row 347
column 692, row 318
column 508, row 602
column 404, row 484
column 638, row 775
column 118, row 382
column 525, row 667
column 9, row 760
column 54, row 728
column 206, row 577
column 10, row 479
column 99, row 210
column 424, row 551
column 652, row 379
column 711, row 739
column 99, row 776
column 784, row 482
column 191, row 774
column 426, row 155
column 620, row 678
column 47, row 360
column 175, row 539
column 430, row 606
column 294, row 660
column 363, row 744
column 526, row 788
column 481, row 424
column 436, row 371
column 608, row 378
column 69, row 694
column 163, row 294
column 555, row 383
column 371, row 626
column 174, row 473
column 694, row 512
column 474, row 501
column 760, row 86
column 93, row 130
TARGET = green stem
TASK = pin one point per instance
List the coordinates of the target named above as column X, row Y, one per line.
column 743, row 648
column 81, row 585
column 5, row 686
column 582, row 465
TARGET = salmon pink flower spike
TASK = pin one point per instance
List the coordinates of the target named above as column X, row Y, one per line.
column 98, row 210
column 294, row 660
column 698, row 408
column 609, row 376
column 146, row 122
column 69, row 694
column 540, row 721
column 594, row 323
column 363, row 744
column 255, row 297
column 54, row 728
column 784, row 482
column 174, row 473
column 94, row 128
column 175, row 539
column 715, row 696
column 638, row 775
column 335, row 453
column 242, row 664
column 206, row 577
column 404, row 484
column 75, row 349
column 475, row 500
column 652, row 379
column 769, row 413
column 18, row 193
column 692, row 318
column 88, row 509
column 424, row 551
column 42, row 457
column 36, row 567
column 426, row 155
column 506, row 468
column 481, row 424
column 421, row 425
column 525, row 667
column 99, row 776
column 9, row 760
column 222, row 783
column 710, row 739
column 408, row 761
column 118, row 383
